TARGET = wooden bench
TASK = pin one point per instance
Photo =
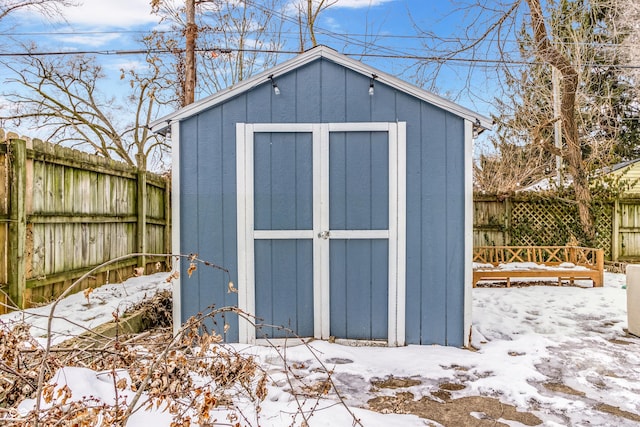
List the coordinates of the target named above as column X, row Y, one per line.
column 541, row 262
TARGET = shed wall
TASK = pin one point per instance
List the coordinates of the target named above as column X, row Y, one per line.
column 631, row 175
column 324, row 92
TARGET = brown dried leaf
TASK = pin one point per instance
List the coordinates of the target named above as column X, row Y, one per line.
column 87, row 292
column 231, row 288
column 121, row 384
column 192, row 268
column 47, row 392
column 174, row 275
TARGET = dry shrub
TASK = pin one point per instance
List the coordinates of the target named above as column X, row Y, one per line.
column 21, row 358
column 188, row 375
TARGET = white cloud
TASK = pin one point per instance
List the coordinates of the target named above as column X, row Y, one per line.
column 97, row 40
column 332, row 24
column 357, row 4
column 346, row 4
column 127, row 65
column 111, row 13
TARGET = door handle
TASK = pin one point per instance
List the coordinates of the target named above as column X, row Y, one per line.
column 324, row 235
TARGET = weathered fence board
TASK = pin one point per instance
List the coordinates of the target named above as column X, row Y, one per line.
column 16, row 247
column 64, row 212
column 4, row 220
column 491, row 218
column 531, row 221
column 628, row 224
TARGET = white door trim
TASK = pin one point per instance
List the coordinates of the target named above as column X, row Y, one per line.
column 396, row 233
column 468, row 232
column 322, row 313
column 175, row 227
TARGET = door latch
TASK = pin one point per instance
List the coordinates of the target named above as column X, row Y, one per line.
column 324, row 235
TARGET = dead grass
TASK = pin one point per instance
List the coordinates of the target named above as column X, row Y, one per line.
column 466, row 411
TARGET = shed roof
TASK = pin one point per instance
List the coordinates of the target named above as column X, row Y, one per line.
column 618, row 166
column 162, row 124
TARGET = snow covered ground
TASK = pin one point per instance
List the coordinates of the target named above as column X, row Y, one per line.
column 560, row 354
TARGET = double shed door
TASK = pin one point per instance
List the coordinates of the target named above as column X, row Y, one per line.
column 321, row 232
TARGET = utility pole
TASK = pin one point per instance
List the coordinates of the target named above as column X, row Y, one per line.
column 557, row 124
column 191, row 34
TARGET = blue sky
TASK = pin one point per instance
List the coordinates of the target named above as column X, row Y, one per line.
column 383, row 26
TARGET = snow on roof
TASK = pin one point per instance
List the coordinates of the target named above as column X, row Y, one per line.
column 549, row 183
column 618, row 166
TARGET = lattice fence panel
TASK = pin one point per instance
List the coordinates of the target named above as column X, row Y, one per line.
column 554, row 223
column 542, row 223
column 604, row 228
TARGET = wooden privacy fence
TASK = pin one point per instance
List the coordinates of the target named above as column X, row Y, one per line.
column 64, row 212
column 530, row 220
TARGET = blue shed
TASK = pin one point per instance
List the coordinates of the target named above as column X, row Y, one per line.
column 339, row 198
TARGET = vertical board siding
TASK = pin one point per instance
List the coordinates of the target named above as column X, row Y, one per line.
column 455, row 231
column 283, row 189
column 81, row 212
column 359, row 181
column 410, row 110
column 324, row 92
column 206, row 229
column 283, row 182
column 209, row 216
column 433, row 242
column 233, row 112
column 303, row 181
column 284, row 288
column 308, row 96
column 356, row 98
column 359, row 200
column 333, row 107
column 189, row 171
column 359, row 289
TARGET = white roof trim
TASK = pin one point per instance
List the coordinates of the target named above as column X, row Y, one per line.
column 305, row 58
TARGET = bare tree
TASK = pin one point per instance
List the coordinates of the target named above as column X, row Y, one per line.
column 240, row 39
column 507, row 166
column 308, row 12
column 61, row 96
column 525, row 43
column 44, row 7
column 630, row 22
column 572, row 152
column 234, row 40
column 191, row 34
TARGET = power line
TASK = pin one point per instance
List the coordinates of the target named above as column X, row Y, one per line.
column 84, row 33
column 423, row 58
column 345, row 39
column 416, row 37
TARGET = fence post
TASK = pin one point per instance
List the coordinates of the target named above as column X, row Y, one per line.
column 508, row 212
column 17, row 220
column 615, row 232
column 141, row 237
column 600, row 265
column 168, row 221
